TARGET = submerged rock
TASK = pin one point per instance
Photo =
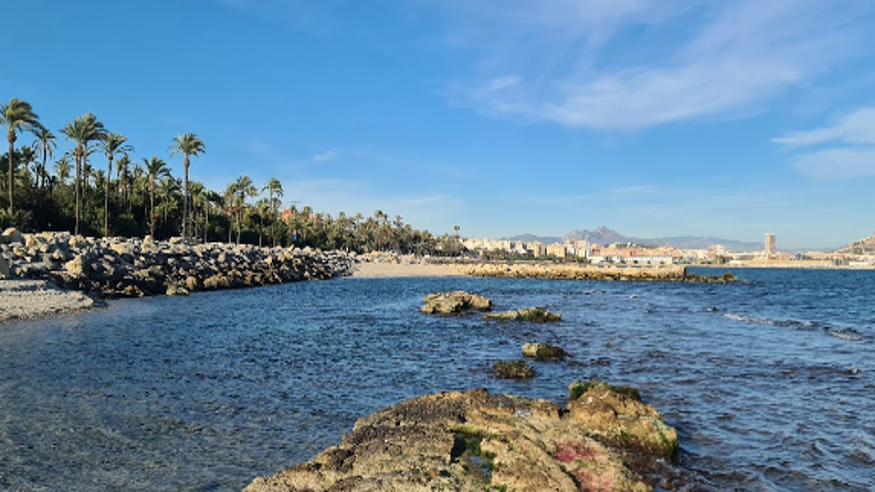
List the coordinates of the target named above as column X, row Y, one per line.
column 532, row 314
column 455, row 302
column 515, row 369
column 477, row 441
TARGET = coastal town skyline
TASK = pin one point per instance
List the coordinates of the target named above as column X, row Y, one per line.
column 726, row 119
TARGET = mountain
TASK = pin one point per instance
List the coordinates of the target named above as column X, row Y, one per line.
column 864, row 246
column 531, row 238
column 603, row 235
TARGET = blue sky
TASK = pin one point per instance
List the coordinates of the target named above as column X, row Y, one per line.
column 653, row 117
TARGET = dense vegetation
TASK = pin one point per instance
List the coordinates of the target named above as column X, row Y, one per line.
column 96, row 188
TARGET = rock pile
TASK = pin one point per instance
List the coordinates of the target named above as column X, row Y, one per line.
column 123, row 267
column 479, row 441
column 532, row 314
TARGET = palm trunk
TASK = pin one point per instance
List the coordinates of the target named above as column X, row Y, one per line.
column 185, row 200
column 11, row 184
column 106, row 199
column 76, row 183
column 206, row 221
column 152, row 211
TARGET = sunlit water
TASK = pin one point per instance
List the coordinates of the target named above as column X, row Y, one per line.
column 769, row 382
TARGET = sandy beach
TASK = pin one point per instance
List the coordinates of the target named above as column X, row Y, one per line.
column 403, row 269
column 34, row 299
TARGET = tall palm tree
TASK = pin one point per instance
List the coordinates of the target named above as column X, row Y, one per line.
column 45, row 146
column 197, row 194
column 155, row 168
column 16, row 116
column 112, row 144
column 273, row 187
column 187, row 145
column 122, row 171
column 82, row 129
column 243, row 189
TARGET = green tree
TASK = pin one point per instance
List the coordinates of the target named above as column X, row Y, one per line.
column 155, row 168
column 16, row 116
column 82, row 129
column 112, row 144
column 187, row 145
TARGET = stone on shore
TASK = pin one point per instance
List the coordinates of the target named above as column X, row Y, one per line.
column 456, row 302
column 565, row 271
column 476, row 441
column 30, row 299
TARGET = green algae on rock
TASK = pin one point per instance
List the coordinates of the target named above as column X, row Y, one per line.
column 543, row 351
column 514, row 369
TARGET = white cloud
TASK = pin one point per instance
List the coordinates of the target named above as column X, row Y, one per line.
column 629, row 64
column 855, row 128
column 329, row 155
column 837, row 163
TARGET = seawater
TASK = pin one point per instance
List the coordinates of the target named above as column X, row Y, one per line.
column 770, row 382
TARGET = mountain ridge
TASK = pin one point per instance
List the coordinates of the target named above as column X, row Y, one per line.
column 604, row 235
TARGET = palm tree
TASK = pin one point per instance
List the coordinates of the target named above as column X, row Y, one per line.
column 243, row 189
column 187, row 145
column 62, row 169
column 273, row 187
column 197, row 193
column 16, row 116
column 155, row 168
column 111, row 144
column 45, row 145
column 82, row 129
column 169, row 188
column 122, row 171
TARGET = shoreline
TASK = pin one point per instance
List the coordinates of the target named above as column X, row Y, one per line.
column 30, row 300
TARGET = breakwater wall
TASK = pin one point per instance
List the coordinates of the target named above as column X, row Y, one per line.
column 561, row 271
column 134, row 267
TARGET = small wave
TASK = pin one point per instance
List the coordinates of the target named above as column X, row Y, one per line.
column 848, row 334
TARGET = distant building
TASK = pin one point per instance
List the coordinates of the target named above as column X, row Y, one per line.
column 771, row 247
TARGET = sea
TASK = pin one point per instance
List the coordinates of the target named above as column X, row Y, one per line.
column 770, row 382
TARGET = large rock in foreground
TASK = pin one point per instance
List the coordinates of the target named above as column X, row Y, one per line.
column 456, row 302
column 478, row 441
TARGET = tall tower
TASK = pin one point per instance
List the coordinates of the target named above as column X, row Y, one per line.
column 771, row 247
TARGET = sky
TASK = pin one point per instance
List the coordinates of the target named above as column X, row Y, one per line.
column 655, row 118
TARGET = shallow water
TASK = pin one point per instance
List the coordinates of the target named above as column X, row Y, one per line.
column 769, row 382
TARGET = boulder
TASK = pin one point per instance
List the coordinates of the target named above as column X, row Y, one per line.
column 4, row 268
column 617, row 415
column 543, row 351
column 456, row 302
column 11, row 235
column 469, row 441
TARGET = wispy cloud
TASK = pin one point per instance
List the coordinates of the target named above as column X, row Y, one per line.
column 632, row 64
column 853, row 147
column 855, row 128
column 328, row 155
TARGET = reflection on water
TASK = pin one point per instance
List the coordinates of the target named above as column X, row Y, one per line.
column 769, row 382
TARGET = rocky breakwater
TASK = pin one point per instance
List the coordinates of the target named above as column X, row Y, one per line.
column 606, row 439
column 563, row 271
column 133, row 267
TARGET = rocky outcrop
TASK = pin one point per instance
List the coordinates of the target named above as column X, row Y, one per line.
column 476, row 441
column 513, row 369
column 543, row 351
column 532, row 314
column 456, row 302
column 562, row 271
column 122, row 267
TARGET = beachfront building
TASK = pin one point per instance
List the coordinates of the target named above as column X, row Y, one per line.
column 558, row 250
column 771, row 245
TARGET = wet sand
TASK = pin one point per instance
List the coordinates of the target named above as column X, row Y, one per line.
column 391, row 269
